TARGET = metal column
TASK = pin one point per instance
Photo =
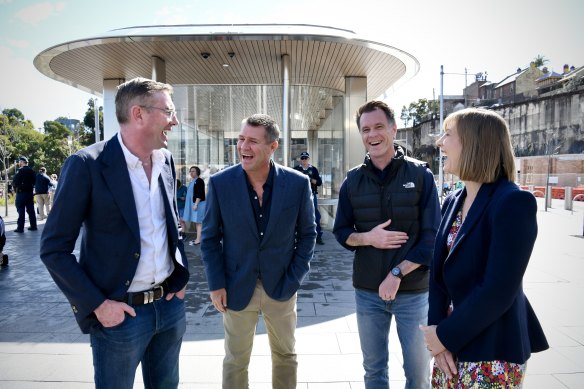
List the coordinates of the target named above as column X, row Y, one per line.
column 286, row 110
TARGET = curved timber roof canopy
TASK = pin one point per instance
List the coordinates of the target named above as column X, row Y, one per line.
column 319, row 56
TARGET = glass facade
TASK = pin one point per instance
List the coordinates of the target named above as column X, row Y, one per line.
column 210, row 118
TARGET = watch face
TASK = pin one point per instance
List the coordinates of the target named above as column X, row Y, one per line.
column 395, row 271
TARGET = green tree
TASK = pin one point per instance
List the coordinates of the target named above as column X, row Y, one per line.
column 89, row 123
column 58, row 144
column 540, row 60
column 405, row 115
column 28, row 142
column 14, row 114
column 422, row 110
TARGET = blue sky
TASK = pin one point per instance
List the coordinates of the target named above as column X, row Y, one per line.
column 496, row 36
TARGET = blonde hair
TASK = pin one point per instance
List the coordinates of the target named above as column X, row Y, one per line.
column 487, row 153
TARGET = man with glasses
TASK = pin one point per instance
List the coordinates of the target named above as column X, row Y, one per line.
column 315, row 181
column 127, row 288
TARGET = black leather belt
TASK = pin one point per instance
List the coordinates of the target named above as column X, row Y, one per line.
column 147, row 296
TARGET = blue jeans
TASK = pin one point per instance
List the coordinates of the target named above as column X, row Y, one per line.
column 153, row 338
column 374, row 319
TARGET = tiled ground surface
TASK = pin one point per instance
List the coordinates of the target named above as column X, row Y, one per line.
column 42, row 347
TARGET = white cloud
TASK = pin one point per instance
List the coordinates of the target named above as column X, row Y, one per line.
column 36, row 13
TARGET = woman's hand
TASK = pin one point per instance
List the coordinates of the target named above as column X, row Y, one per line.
column 433, row 344
column 445, row 362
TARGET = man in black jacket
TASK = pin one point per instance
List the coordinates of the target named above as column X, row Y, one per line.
column 388, row 214
column 41, row 192
column 23, row 183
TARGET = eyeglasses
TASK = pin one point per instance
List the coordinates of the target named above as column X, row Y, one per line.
column 169, row 112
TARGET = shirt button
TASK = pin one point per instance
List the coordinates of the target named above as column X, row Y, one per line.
column 136, row 255
column 74, row 308
column 261, row 215
column 261, row 233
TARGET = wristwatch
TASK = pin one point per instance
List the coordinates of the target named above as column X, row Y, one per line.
column 396, row 271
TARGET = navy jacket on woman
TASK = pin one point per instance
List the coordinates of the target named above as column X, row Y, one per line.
column 482, row 277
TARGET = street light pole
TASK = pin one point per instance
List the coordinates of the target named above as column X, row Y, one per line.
column 547, row 182
column 440, row 172
column 96, row 118
column 548, row 188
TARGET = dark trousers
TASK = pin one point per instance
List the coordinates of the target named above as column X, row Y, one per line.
column 317, row 215
column 25, row 203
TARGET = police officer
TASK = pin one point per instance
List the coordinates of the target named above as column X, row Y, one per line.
column 23, row 183
column 315, row 181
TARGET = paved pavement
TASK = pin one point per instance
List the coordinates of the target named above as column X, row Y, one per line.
column 42, row 347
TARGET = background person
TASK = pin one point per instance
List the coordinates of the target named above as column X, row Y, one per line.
column 195, row 202
column 481, row 326
column 181, row 196
column 23, row 183
column 315, row 181
column 53, row 188
column 41, row 192
column 258, row 240
column 127, row 288
column 388, row 213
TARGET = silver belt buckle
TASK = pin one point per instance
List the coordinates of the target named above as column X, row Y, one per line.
column 148, row 297
column 161, row 291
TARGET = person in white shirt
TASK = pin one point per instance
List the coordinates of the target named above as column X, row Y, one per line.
column 127, row 287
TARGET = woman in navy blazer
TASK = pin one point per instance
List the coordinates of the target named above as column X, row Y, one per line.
column 481, row 328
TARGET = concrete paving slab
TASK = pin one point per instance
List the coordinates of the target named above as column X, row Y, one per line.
column 41, row 346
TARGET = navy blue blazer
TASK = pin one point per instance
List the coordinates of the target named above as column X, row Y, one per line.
column 482, row 276
column 95, row 192
column 232, row 252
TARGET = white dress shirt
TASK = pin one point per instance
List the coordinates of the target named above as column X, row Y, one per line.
column 155, row 264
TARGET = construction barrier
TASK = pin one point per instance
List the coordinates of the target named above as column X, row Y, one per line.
column 558, row 192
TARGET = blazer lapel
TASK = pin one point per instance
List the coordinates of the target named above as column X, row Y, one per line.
column 278, row 201
column 117, row 179
column 447, row 219
column 474, row 213
column 241, row 191
column 168, row 183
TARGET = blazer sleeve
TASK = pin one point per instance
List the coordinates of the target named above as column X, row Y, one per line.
column 438, row 299
column 211, row 243
column 508, row 245
column 305, row 238
column 60, row 234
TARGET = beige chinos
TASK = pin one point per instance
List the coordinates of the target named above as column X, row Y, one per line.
column 240, row 326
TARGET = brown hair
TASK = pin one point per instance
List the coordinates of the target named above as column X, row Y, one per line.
column 372, row 106
column 269, row 124
column 486, row 153
column 137, row 91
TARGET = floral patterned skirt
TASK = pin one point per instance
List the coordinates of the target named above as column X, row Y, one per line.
column 481, row 375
